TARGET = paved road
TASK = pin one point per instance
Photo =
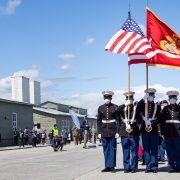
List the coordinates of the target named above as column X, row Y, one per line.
column 73, row 162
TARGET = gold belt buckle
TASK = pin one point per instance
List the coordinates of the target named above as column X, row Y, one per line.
column 107, row 121
column 171, row 121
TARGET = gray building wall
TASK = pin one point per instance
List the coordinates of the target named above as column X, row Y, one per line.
column 24, row 119
column 63, row 108
column 50, row 105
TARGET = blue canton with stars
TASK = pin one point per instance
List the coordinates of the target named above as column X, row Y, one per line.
column 131, row 26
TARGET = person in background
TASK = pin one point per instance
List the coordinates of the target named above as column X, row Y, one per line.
column 55, row 131
column 85, row 126
column 45, row 131
column 26, row 137
column 90, row 137
column 69, row 138
column 57, row 143
column 80, row 135
column 75, row 131
column 65, row 135
column 21, row 138
column 50, row 135
column 95, row 134
column 34, row 137
column 15, row 137
column 38, row 137
column 135, row 103
column 43, row 137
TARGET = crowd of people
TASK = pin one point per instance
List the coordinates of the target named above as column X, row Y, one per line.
column 21, row 137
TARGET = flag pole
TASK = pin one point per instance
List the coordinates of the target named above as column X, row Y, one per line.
column 128, row 92
column 147, row 91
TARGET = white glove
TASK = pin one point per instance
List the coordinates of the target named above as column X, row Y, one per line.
column 146, row 96
column 128, row 126
column 162, row 136
column 99, row 136
column 117, row 135
column 128, row 102
column 148, row 122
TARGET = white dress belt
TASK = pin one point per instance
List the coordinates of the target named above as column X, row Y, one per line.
column 126, row 120
column 172, row 121
column 149, row 118
column 108, row 121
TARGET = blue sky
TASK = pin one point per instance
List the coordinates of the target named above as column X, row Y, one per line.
column 61, row 43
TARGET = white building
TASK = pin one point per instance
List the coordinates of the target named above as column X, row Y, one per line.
column 20, row 88
column 35, row 95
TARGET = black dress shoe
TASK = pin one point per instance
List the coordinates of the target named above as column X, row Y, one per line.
column 143, row 164
column 148, row 171
column 127, row 170
column 154, row 171
column 162, row 160
column 106, row 170
column 178, row 170
column 171, row 171
column 133, row 171
column 113, row 170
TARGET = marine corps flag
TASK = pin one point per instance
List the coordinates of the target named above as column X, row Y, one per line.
column 164, row 41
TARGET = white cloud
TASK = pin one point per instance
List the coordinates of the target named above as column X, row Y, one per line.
column 67, row 67
column 89, row 41
column 11, row 5
column 92, row 101
column 66, row 57
column 32, row 74
column 143, row 28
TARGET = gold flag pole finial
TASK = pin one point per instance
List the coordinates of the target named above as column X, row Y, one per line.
column 129, row 7
column 147, row 3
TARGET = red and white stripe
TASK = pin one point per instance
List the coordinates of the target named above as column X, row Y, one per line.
column 128, row 43
column 137, row 58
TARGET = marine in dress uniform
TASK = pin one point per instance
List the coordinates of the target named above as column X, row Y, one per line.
column 108, row 128
column 161, row 147
column 170, row 128
column 149, row 129
column 129, row 140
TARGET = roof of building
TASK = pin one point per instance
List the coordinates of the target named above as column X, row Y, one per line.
column 16, row 102
column 61, row 104
column 55, row 112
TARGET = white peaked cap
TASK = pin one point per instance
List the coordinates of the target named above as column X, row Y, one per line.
column 150, row 90
column 131, row 93
column 110, row 93
column 172, row 93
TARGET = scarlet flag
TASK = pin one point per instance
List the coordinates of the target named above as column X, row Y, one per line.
column 164, row 41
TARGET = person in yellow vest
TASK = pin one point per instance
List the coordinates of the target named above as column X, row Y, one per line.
column 15, row 137
column 95, row 134
column 55, row 131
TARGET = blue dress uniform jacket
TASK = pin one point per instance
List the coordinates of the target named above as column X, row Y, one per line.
column 170, row 128
column 107, row 112
column 135, row 126
column 141, row 108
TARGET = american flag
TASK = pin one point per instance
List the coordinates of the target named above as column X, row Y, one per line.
column 131, row 40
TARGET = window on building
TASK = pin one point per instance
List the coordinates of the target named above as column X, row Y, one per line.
column 62, row 124
column 76, row 110
column 14, row 121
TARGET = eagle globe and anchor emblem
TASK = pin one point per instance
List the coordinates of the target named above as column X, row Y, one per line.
column 171, row 44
